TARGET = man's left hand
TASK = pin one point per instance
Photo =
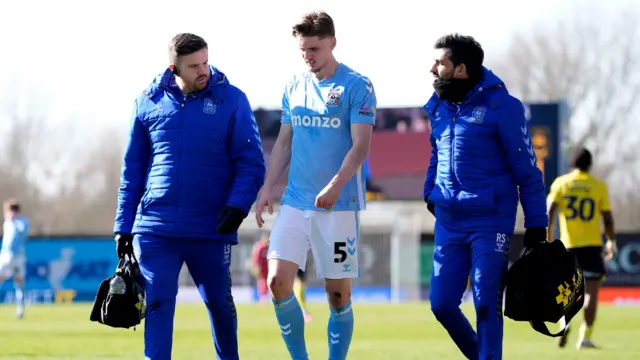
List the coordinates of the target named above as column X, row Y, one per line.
column 328, row 196
column 430, row 206
column 231, row 217
column 533, row 236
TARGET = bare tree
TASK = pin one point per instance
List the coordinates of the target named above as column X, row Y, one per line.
column 18, row 154
column 591, row 64
column 62, row 173
column 98, row 179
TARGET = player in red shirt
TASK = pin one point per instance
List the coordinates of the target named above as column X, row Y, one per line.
column 260, row 265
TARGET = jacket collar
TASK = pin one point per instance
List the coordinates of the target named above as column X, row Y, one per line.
column 166, row 80
column 488, row 81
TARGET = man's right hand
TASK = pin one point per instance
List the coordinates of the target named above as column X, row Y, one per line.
column 264, row 199
column 124, row 245
column 611, row 249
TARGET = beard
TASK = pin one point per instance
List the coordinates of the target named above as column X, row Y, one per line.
column 200, row 83
column 452, row 89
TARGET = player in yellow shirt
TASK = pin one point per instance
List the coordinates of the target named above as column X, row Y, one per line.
column 581, row 200
column 299, row 289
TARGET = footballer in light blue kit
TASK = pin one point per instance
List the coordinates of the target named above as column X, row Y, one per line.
column 13, row 261
column 328, row 114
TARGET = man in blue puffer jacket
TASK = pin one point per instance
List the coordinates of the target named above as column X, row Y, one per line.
column 192, row 169
column 482, row 163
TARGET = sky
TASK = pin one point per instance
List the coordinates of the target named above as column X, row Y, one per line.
column 80, row 64
column 85, row 61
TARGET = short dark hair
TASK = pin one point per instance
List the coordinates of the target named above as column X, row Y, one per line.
column 185, row 44
column 582, row 159
column 315, row 23
column 463, row 50
column 12, row 205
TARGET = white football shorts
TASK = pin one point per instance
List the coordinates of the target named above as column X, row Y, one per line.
column 12, row 265
column 332, row 236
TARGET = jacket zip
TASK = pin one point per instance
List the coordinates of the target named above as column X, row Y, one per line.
column 453, row 146
column 453, row 136
column 453, row 131
column 179, row 160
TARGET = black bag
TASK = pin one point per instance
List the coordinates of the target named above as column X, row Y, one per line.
column 545, row 284
column 121, row 310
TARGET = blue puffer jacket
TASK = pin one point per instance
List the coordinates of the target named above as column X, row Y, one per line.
column 482, row 161
column 187, row 158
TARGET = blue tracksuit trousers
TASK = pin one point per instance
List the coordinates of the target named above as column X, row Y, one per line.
column 208, row 262
column 485, row 256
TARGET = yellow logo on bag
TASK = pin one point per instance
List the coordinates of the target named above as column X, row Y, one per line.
column 577, row 279
column 141, row 305
column 563, row 296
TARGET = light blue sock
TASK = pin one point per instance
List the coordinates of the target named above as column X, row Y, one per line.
column 339, row 331
column 291, row 320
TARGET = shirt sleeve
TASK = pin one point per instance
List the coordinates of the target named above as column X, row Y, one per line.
column 555, row 194
column 285, row 117
column 605, row 205
column 432, row 171
column 246, row 156
column 133, row 174
column 516, row 142
column 9, row 231
column 362, row 102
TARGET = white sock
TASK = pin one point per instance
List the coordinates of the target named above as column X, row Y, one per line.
column 20, row 300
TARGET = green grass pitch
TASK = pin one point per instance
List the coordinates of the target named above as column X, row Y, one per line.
column 397, row 332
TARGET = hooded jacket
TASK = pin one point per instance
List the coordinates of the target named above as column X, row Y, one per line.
column 187, row 157
column 482, row 162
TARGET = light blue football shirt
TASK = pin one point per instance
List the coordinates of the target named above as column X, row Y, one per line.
column 321, row 113
column 14, row 236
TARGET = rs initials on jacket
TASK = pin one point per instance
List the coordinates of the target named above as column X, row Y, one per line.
column 501, row 241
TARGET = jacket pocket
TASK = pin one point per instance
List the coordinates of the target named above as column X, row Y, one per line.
column 154, row 201
column 144, row 201
column 440, row 197
column 477, row 201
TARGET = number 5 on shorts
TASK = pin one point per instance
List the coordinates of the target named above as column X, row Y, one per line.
column 339, row 252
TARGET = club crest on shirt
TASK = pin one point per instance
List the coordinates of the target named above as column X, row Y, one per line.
column 333, row 98
column 209, row 107
column 477, row 115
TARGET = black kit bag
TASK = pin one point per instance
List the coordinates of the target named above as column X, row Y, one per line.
column 121, row 310
column 545, row 284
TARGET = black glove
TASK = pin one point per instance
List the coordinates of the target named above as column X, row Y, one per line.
column 534, row 236
column 231, row 217
column 124, row 245
column 430, row 206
